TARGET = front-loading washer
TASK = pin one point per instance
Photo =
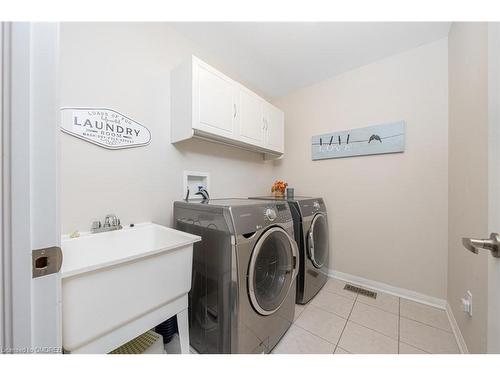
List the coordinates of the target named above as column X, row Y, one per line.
column 242, row 298
column 312, row 236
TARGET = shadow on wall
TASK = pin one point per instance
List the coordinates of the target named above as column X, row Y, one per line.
column 198, row 147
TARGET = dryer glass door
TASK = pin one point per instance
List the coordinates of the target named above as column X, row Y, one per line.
column 318, row 241
column 271, row 270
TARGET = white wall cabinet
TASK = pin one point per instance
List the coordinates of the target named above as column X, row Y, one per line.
column 251, row 124
column 213, row 102
column 274, row 128
column 207, row 104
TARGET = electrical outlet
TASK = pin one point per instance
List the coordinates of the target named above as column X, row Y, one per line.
column 467, row 303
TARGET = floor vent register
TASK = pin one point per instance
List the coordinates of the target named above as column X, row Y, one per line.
column 357, row 289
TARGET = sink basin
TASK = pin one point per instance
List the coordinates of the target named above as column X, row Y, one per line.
column 117, row 285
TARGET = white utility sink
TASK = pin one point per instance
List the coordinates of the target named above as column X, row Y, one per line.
column 117, row 285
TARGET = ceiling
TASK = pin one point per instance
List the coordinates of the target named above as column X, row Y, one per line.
column 276, row 58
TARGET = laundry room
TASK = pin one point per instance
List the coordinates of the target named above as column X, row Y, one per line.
column 372, row 233
column 250, row 187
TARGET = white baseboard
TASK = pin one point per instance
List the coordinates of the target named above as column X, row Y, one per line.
column 389, row 289
column 456, row 330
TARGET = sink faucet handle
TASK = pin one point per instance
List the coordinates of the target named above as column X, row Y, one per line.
column 96, row 224
column 111, row 220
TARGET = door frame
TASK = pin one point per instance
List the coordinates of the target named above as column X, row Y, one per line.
column 30, row 184
column 2, row 237
column 493, row 330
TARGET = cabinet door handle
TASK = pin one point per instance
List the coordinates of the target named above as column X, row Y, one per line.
column 235, row 111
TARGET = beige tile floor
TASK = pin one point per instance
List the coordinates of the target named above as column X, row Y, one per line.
column 342, row 322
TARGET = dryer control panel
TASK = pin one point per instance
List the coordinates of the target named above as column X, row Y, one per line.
column 309, row 207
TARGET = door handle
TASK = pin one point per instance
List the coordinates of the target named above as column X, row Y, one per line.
column 311, row 242
column 296, row 259
column 492, row 244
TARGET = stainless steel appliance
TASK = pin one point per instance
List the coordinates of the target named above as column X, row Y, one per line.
column 242, row 298
column 311, row 233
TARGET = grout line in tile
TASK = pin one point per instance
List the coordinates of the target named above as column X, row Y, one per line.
column 328, row 311
column 322, row 338
column 426, row 324
column 338, row 346
column 347, row 320
column 340, row 295
column 413, row 346
column 378, row 308
column 371, row 329
column 298, row 316
column 314, row 334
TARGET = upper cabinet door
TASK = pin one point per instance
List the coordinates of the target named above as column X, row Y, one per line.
column 207, row 104
column 213, row 102
column 251, row 117
column 274, row 123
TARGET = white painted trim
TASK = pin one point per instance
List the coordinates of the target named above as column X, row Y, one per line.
column 29, row 183
column 6, row 160
column 462, row 346
column 46, row 322
column 389, row 289
column 493, row 323
column 19, row 164
column 2, row 246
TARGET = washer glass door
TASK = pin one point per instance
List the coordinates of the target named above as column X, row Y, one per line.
column 271, row 270
column 318, row 241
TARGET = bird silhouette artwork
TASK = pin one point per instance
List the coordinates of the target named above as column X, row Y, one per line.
column 375, row 137
column 385, row 138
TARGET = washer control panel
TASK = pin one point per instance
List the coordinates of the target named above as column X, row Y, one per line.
column 316, row 206
column 271, row 214
column 279, row 212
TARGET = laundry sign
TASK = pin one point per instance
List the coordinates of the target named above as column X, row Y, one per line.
column 104, row 127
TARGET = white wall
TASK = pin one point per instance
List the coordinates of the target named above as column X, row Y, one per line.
column 126, row 67
column 468, row 176
column 387, row 213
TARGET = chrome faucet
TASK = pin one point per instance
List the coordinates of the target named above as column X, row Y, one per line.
column 111, row 222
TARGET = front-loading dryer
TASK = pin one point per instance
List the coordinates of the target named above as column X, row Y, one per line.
column 242, row 298
column 312, row 236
